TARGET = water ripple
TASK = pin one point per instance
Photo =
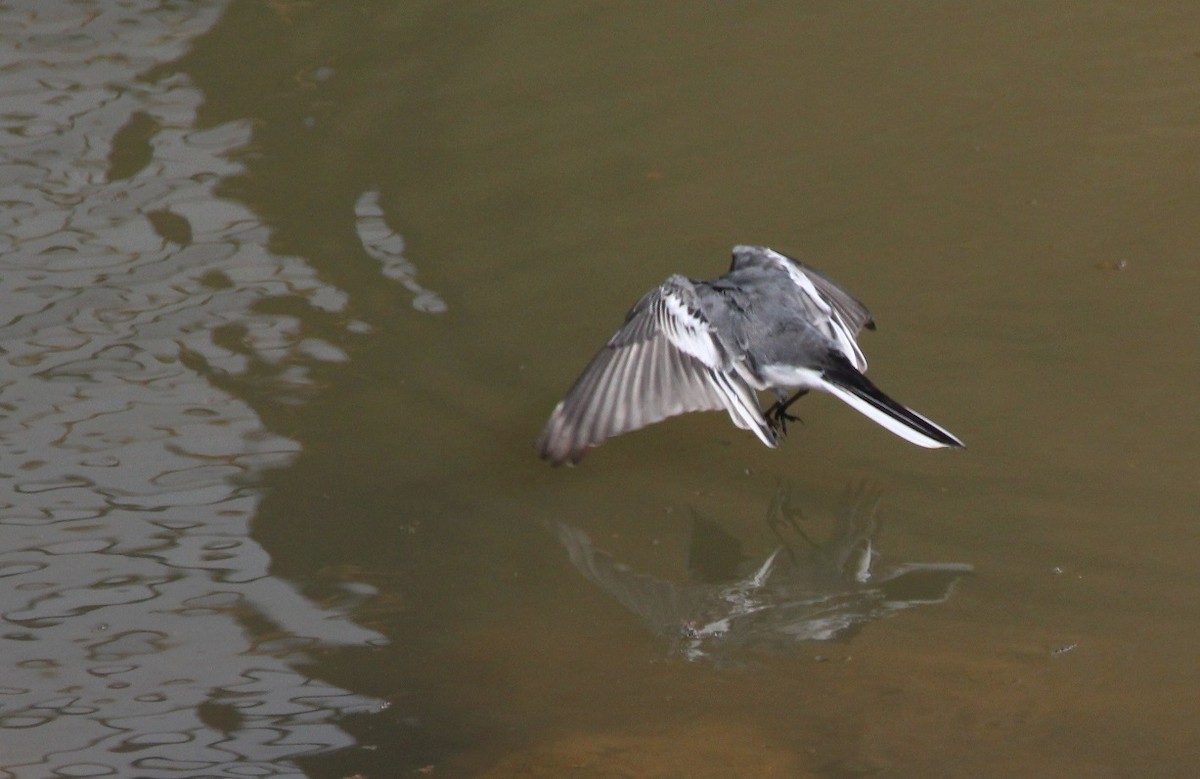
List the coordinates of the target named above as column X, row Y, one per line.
column 128, row 576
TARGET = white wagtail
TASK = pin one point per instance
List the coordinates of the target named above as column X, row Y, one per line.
column 770, row 323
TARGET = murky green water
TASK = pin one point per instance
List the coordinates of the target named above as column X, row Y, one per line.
column 288, row 290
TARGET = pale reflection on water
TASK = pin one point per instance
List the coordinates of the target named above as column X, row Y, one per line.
column 135, row 604
column 803, row 591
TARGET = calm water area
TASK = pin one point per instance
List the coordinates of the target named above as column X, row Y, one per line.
column 288, row 289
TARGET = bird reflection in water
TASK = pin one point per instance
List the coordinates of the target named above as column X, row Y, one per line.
column 803, row 591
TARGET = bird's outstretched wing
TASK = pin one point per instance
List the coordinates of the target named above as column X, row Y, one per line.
column 665, row 360
column 831, row 308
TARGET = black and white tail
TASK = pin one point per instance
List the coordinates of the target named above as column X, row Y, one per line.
column 855, row 389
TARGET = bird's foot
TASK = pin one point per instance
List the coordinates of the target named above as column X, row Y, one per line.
column 778, row 418
column 777, row 415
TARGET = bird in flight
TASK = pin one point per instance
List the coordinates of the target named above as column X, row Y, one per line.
column 771, row 323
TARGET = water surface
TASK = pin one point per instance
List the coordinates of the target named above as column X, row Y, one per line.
column 289, row 290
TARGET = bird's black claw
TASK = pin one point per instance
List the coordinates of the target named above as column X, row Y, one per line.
column 778, row 419
column 777, row 415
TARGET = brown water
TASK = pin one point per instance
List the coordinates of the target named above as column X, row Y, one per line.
column 290, row 288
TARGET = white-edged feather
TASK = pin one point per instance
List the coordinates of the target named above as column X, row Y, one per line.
column 688, row 330
column 665, row 360
column 833, row 324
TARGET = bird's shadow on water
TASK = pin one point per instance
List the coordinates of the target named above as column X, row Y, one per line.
column 803, row 591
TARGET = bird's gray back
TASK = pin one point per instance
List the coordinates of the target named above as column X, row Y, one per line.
column 766, row 316
column 854, row 315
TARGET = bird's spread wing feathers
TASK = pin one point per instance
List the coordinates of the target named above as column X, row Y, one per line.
column 665, row 360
